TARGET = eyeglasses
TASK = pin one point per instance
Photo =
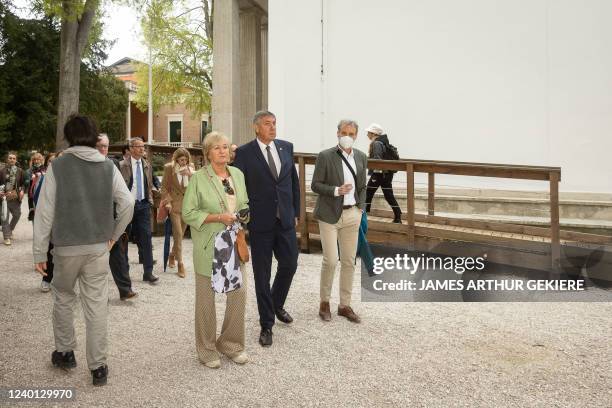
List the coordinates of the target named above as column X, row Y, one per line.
column 226, row 185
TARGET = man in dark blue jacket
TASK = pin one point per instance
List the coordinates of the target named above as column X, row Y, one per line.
column 274, row 201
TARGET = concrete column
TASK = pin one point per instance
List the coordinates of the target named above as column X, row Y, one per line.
column 264, row 68
column 250, row 73
column 226, row 74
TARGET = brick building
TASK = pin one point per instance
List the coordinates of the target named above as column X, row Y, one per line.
column 171, row 124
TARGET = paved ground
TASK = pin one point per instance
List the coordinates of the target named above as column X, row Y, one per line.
column 411, row 354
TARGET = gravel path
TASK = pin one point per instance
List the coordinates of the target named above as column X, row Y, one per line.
column 403, row 354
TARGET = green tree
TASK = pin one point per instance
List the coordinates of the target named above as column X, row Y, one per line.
column 180, row 39
column 104, row 98
column 29, row 78
column 28, row 74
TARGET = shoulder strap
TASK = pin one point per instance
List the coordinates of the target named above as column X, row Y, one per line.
column 214, row 186
column 347, row 165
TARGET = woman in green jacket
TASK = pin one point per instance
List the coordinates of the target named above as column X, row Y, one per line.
column 214, row 195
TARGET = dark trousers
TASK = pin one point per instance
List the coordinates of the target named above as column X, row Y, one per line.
column 49, row 270
column 141, row 229
column 119, row 265
column 383, row 180
column 283, row 244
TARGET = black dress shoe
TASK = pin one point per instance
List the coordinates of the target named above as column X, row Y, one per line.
column 283, row 316
column 63, row 360
column 100, row 375
column 151, row 279
column 265, row 337
column 128, row 295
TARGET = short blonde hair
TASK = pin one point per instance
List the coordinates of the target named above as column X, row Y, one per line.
column 210, row 140
column 181, row 152
column 37, row 155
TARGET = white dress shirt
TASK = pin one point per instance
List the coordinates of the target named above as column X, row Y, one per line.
column 134, row 189
column 349, row 198
column 273, row 151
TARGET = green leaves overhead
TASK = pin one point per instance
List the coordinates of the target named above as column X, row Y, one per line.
column 29, row 80
column 181, row 49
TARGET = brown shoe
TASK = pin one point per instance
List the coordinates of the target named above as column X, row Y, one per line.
column 181, row 270
column 171, row 261
column 347, row 312
column 129, row 295
column 324, row 311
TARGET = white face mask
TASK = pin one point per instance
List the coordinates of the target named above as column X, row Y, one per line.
column 346, row 142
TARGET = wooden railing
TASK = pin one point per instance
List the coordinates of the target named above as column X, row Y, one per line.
column 431, row 168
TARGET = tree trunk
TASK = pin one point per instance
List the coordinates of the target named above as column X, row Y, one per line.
column 74, row 36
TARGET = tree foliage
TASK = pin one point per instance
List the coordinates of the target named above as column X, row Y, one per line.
column 180, row 39
column 29, row 80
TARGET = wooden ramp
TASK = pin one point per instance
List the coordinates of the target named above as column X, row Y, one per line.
column 504, row 243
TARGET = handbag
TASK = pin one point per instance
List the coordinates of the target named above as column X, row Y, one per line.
column 241, row 246
column 4, row 214
column 226, row 274
column 162, row 211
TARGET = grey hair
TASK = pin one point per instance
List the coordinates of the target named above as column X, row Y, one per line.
column 135, row 139
column 348, row 122
column 101, row 135
column 262, row 114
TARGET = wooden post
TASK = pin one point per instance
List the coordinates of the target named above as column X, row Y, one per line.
column 304, row 236
column 555, row 245
column 410, row 202
column 431, row 185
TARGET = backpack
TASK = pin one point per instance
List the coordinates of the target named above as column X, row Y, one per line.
column 390, row 152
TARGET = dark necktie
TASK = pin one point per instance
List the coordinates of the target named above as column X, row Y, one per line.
column 271, row 163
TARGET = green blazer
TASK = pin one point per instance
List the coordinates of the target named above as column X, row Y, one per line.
column 201, row 200
column 328, row 175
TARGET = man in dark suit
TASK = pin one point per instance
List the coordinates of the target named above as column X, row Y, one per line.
column 340, row 181
column 138, row 176
column 118, row 260
column 274, row 201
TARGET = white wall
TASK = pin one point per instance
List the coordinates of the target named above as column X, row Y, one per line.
column 498, row 81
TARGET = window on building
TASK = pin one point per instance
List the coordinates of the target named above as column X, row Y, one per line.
column 175, row 131
column 204, row 130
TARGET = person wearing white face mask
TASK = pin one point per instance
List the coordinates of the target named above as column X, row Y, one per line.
column 340, row 181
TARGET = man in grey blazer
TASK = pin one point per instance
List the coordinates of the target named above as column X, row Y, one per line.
column 340, row 181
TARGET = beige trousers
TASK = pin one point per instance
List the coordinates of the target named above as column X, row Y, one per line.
column 231, row 339
column 178, row 231
column 343, row 234
column 91, row 271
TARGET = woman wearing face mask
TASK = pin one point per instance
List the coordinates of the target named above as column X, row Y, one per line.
column 379, row 143
column 177, row 174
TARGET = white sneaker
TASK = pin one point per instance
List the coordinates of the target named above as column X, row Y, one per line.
column 7, row 242
column 241, row 358
column 45, row 286
column 213, row 364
